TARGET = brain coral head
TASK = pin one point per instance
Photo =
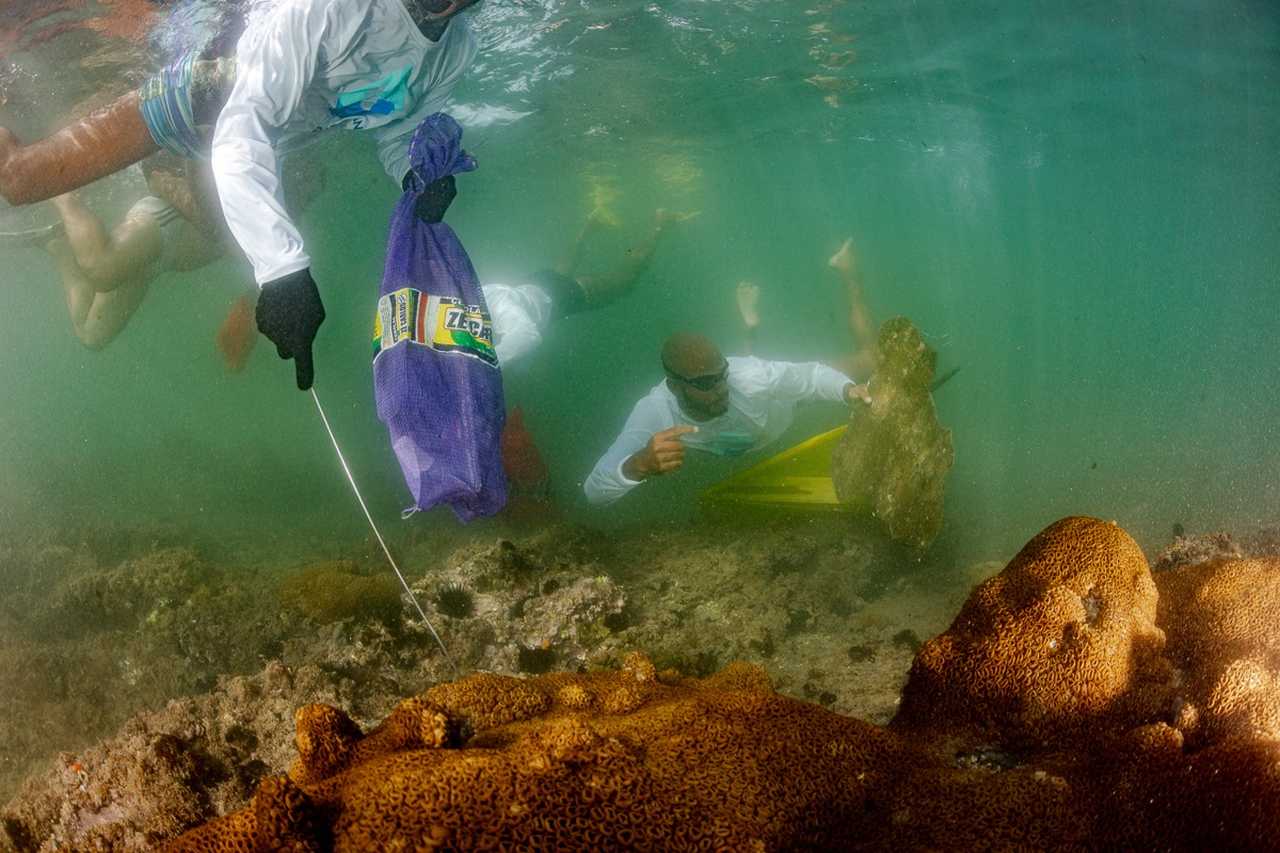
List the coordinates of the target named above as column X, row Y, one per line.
column 1223, row 622
column 1222, row 610
column 1245, row 700
column 324, row 736
column 1065, row 634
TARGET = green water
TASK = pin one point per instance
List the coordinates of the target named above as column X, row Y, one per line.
column 1078, row 203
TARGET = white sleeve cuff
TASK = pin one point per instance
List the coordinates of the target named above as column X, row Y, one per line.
column 831, row 383
column 281, row 268
column 622, row 477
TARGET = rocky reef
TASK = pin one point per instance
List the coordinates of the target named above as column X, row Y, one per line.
column 1076, row 701
column 892, row 462
column 182, row 649
column 87, row 645
column 1055, row 713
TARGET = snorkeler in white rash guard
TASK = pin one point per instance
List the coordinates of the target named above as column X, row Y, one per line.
column 723, row 406
column 300, row 67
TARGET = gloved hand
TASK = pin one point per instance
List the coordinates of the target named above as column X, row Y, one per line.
column 435, row 199
column 289, row 313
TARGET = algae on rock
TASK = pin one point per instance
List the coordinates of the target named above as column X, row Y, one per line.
column 331, row 591
column 892, row 462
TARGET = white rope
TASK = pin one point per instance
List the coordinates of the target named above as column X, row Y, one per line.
column 385, row 549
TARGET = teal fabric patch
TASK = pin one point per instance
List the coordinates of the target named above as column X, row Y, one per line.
column 732, row 443
column 379, row 98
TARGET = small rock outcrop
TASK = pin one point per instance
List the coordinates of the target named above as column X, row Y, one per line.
column 892, row 462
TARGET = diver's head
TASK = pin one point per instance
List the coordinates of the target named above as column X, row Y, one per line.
column 697, row 374
column 433, row 15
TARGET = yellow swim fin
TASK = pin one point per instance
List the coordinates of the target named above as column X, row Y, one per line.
column 796, row 478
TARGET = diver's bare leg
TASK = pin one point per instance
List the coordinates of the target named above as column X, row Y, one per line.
column 86, row 233
column 77, row 289
column 605, row 288
column 861, row 325
column 108, row 260
column 748, row 298
column 568, row 265
column 97, row 318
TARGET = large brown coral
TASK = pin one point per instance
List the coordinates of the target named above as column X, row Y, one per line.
column 1063, row 639
column 1223, row 621
column 723, row 763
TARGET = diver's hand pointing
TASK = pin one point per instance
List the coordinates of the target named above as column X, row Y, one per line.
column 662, row 455
column 289, row 313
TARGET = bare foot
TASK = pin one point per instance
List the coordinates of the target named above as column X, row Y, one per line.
column 238, row 334
column 8, row 145
column 63, row 203
column 843, row 259
column 8, row 142
column 601, row 217
column 748, row 302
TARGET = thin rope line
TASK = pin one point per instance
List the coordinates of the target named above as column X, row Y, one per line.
column 376, row 532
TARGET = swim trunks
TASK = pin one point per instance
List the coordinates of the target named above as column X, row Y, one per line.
column 181, row 99
column 567, row 296
column 168, row 220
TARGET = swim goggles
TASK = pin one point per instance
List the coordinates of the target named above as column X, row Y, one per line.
column 706, row 382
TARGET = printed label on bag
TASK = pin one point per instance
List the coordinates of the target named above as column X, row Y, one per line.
column 444, row 323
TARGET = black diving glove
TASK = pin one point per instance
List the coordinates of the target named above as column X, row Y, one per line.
column 435, row 198
column 289, row 313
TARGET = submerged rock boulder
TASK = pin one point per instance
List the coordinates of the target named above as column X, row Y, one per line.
column 526, row 609
column 892, row 462
column 335, row 590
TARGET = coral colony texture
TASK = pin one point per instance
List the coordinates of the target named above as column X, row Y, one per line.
column 893, row 460
column 1076, row 702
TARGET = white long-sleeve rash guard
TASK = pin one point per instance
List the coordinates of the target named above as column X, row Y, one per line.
column 306, row 66
column 762, row 399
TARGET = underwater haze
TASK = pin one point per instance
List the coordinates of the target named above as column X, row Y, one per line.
column 1077, row 203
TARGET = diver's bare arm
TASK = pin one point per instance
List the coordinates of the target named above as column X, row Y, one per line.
column 97, row 145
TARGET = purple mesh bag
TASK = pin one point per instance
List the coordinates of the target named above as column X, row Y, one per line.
column 435, row 373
